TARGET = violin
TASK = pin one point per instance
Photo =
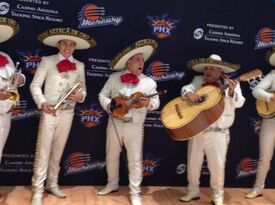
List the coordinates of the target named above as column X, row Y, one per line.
column 120, row 105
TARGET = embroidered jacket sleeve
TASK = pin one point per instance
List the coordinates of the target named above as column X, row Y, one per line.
column 104, row 95
column 237, row 100
column 193, row 86
column 261, row 89
column 154, row 101
column 37, row 82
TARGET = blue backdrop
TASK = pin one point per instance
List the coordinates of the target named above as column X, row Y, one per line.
column 239, row 31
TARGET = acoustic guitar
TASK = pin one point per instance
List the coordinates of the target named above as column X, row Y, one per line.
column 265, row 109
column 184, row 119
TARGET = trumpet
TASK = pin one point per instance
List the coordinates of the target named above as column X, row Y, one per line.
column 64, row 100
column 13, row 84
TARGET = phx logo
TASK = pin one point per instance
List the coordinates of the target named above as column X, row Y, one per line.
column 246, row 167
column 256, row 124
column 150, row 166
column 78, row 162
column 162, row 26
column 265, row 38
column 160, row 71
column 92, row 116
column 92, row 15
column 30, row 60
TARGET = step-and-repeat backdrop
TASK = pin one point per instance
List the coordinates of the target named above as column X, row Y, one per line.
column 239, row 31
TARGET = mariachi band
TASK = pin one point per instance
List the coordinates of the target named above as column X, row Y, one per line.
column 202, row 114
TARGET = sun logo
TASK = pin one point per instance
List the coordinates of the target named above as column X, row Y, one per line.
column 158, row 68
column 92, row 12
column 265, row 38
column 265, row 35
column 91, row 116
column 246, row 167
column 30, row 59
column 92, row 15
column 163, row 26
column 77, row 159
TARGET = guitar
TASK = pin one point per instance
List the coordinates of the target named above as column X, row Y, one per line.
column 184, row 119
column 120, row 105
column 265, row 109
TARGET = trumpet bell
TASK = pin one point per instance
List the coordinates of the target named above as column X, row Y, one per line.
column 14, row 96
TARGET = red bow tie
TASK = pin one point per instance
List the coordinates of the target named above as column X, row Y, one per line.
column 129, row 78
column 216, row 84
column 65, row 65
column 3, row 61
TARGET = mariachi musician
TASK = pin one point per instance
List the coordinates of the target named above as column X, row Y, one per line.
column 58, row 73
column 264, row 91
column 127, row 128
column 10, row 79
column 212, row 142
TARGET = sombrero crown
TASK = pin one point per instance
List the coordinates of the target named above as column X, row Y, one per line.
column 53, row 36
column 145, row 46
column 270, row 56
column 8, row 28
column 213, row 60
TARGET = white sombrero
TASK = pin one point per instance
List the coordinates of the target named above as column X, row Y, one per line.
column 213, row 60
column 8, row 28
column 270, row 56
column 53, row 36
column 145, row 46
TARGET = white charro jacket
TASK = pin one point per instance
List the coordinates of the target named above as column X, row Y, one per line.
column 264, row 89
column 5, row 74
column 231, row 103
column 113, row 88
column 56, row 84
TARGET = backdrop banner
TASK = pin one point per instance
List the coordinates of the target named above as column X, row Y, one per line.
column 240, row 32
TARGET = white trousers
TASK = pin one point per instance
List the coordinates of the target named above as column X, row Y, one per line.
column 214, row 145
column 5, row 124
column 266, row 150
column 52, row 136
column 131, row 136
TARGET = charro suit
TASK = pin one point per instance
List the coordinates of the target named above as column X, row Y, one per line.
column 53, row 130
column 212, row 142
column 263, row 91
column 130, row 132
column 5, row 105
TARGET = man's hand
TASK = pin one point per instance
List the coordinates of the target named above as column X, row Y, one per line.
column 20, row 79
column 144, row 102
column 4, row 95
column 76, row 97
column 232, row 85
column 193, row 97
column 272, row 99
column 47, row 108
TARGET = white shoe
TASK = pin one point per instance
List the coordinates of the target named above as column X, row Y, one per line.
column 253, row 194
column 135, row 200
column 106, row 190
column 36, row 201
column 188, row 197
column 217, row 203
column 57, row 192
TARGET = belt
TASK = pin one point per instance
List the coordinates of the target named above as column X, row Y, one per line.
column 214, row 129
column 127, row 119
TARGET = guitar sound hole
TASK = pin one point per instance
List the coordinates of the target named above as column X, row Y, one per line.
column 202, row 99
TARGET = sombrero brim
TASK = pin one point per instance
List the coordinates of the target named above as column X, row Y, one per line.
column 270, row 57
column 200, row 63
column 53, row 36
column 146, row 46
column 8, row 28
